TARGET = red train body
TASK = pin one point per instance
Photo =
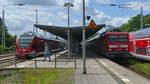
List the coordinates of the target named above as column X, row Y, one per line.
column 29, row 44
column 112, row 44
column 140, row 44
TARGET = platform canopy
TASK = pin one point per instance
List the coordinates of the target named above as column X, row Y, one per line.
column 76, row 32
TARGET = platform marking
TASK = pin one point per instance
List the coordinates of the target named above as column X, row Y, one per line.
column 104, row 64
column 21, row 66
column 125, row 80
column 115, row 72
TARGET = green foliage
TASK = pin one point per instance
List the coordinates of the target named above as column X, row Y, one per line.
column 10, row 40
column 142, row 66
column 134, row 23
column 39, row 76
column 4, row 49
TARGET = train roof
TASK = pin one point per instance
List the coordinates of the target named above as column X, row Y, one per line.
column 30, row 34
column 116, row 33
column 95, row 37
column 143, row 33
column 131, row 35
column 107, row 33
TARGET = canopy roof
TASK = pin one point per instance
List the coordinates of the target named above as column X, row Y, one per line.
column 76, row 32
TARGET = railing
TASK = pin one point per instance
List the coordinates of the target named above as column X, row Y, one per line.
column 7, row 60
column 35, row 60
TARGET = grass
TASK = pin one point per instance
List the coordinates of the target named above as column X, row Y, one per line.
column 39, row 76
column 142, row 66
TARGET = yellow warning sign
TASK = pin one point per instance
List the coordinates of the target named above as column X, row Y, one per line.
column 92, row 25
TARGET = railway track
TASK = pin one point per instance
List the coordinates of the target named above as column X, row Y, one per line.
column 9, row 59
column 6, row 60
column 6, row 55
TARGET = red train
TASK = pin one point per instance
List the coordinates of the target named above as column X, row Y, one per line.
column 112, row 45
column 28, row 44
column 140, row 44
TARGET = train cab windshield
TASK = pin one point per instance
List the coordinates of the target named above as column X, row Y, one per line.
column 113, row 38
column 25, row 39
column 25, row 43
column 123, row 38
column 120, row 38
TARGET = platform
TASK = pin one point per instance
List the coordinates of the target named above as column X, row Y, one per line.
column 99, row 70
column 103, row 71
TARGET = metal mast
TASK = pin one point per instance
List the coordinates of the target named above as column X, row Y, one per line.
column 141, row 19
column 68, row 30
column 83, row 38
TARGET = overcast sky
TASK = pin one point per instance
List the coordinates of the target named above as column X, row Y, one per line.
column 52, row 12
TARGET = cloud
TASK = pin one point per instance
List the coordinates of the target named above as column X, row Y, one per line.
column 60, row 2
column 138, row 5
column 20, row 19
column 102, row 18
column 19, row 22
column 117, row 21
column 3, row 1
column 104, row 1
column 37, row 2
column 24, row 22
column 78, row 5
column 34, row 2
column 75, row 22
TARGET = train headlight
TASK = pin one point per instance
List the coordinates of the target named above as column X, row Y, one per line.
column 24, row 50
column 110, row 49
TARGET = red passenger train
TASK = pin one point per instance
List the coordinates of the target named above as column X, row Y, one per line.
column 112, row 45
column 140, row 44
column 28, row 44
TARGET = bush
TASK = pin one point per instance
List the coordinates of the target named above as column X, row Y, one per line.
column 11, row 48
column 2, row 49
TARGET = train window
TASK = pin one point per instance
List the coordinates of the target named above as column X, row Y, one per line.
column 24, row 43
column 123, row 38
column 113, row 38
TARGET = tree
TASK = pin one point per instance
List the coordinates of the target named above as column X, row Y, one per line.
column 10, row 40
column 134, row 23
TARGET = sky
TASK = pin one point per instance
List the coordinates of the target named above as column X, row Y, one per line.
column 19, row 19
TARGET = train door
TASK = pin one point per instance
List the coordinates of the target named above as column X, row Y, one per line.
column 131, row 46
column 141, row 45
column 148, row 48
column 134, row 47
